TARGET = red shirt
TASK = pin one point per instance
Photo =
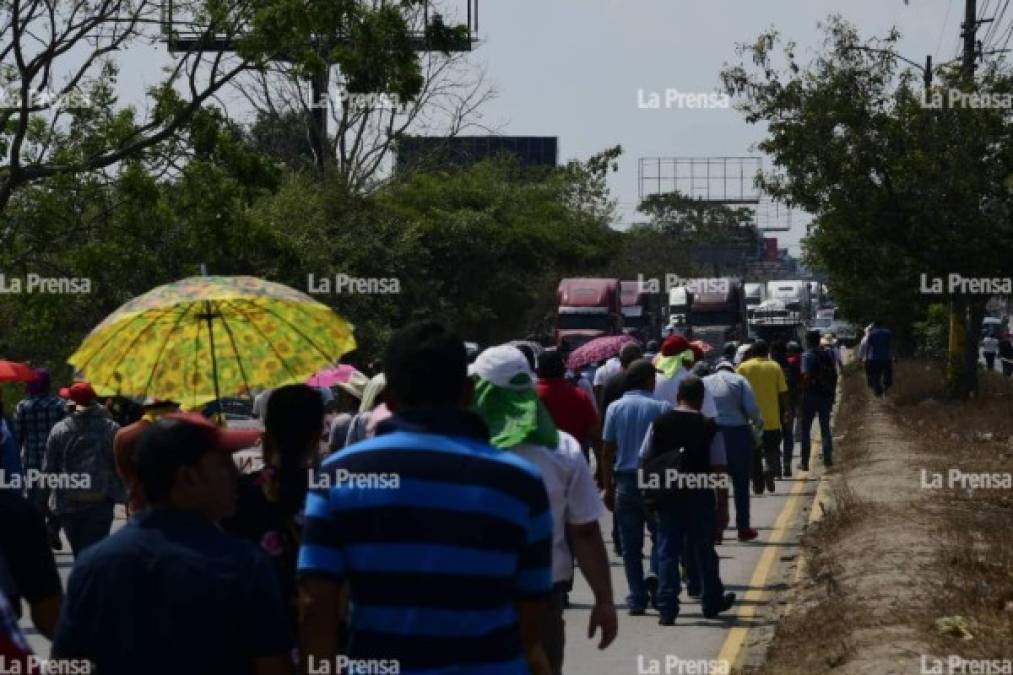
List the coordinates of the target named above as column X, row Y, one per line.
column 569, row 406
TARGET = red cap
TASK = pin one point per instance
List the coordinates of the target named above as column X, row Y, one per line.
column 80, row 393
column 224, row 440
column 674, row 345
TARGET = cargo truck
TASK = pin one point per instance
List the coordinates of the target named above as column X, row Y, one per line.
column 587, row 308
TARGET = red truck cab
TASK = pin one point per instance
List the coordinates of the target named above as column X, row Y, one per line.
column 587, row 308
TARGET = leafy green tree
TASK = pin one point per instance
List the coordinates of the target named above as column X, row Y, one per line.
column 898, row 188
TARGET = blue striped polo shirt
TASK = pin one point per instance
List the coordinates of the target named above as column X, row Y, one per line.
column 438, row 534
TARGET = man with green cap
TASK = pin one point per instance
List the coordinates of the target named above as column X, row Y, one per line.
column 506, row 398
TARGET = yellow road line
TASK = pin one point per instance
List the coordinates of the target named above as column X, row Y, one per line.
column 731, row 650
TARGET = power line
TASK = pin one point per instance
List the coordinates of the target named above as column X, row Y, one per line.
column 942, row 31
column 993, row 30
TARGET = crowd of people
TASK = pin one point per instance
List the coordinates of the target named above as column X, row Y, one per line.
column 425, row 517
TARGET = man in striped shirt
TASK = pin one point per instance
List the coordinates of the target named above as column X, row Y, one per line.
column 443, row 541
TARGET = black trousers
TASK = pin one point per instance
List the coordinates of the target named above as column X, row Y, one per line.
column 879, row 375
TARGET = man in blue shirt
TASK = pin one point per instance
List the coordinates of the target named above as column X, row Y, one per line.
column 627, row 422
column 444, row 542
column 170, row 592
column 879, row 359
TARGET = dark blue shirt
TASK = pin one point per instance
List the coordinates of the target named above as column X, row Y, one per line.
column 878, row 345
column 437, row 548
column 171, row 594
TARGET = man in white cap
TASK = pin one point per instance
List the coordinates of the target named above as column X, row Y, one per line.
column 506, row 398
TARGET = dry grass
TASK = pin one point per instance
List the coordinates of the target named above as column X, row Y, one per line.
column 976, row 527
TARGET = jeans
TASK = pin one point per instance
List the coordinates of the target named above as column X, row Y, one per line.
column 740, row 451
column 788, row 442
column 88, row 525
column 772, row 452
column 990, row 360
column 554, row 628
column 879, row 375
column 812, row 407
column 633, row 517
column 688, row 534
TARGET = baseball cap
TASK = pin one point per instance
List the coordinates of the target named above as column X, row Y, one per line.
column 219, row 439
column 80, row 393
column 674, row 345
column 504, row 366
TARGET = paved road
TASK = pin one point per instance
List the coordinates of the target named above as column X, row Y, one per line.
column 641, row 640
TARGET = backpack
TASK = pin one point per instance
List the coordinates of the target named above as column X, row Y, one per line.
column 823, row 377
column 89, row 452
column 662, row 475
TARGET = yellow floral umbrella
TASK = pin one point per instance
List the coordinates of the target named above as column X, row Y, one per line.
column 195, row 340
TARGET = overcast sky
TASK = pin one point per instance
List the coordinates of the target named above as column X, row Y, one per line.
column 573, row 68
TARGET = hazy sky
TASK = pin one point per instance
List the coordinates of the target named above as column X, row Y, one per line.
column 573, row 68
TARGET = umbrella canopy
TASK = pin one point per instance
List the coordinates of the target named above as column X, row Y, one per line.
column 329, row 377
column 202, row 338
column 15, row 372
column 598, row 349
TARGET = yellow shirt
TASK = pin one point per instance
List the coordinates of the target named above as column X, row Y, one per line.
column 767, row 381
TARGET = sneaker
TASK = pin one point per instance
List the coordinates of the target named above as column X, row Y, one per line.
column 726, row 604
column 758, row 488
column 786, row 473
column 748, row 534
column 637, row 611
column 667, row 621
column 770, row 482
column 652, row 591
column 803, row 466
column 695, row 593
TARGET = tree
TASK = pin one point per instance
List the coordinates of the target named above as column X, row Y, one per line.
column 898, row 188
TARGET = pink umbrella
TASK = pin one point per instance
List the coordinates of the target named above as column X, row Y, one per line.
column 705, row 347
column 597, row 349
column 328, row 377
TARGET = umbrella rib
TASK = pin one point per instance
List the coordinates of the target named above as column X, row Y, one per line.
column 161, row 350
column 297, row 331
column 266, row 339
column 115, row 334
column 235, row 350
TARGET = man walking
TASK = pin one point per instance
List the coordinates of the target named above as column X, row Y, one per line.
column 626, row 424
column 989, row 348
column 738, row 414
column 570, row 407
column 34, row 418
column 506, row 399
column 171, row 593
column 771, row 390
column 819, row 388
column 685, row 459
column 79, row 453
column 445, row 542
column 879, row 359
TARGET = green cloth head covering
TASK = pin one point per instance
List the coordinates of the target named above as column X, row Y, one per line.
column 670, row 365
column 505, row 398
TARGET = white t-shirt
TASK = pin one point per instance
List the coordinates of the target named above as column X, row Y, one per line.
column 573, row 495
column 607, row 370
column 990, row 345
column 667, row 389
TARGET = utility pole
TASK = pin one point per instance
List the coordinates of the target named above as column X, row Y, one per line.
column 970, row 35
